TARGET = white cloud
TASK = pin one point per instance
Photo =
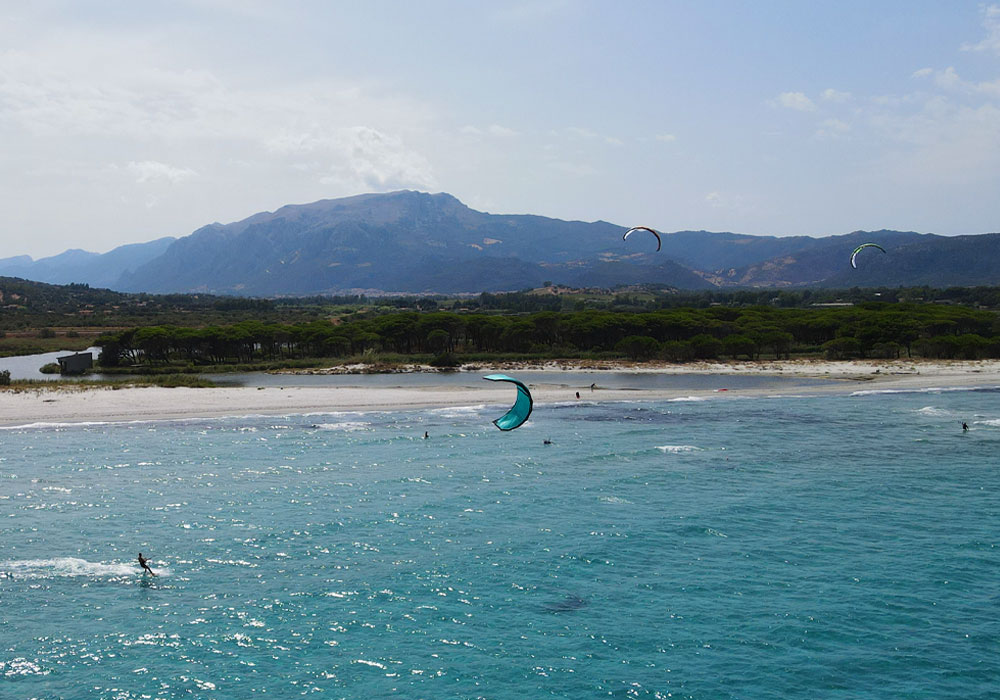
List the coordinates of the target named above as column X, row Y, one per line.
column 797, row 101
column 724, row 201
column 949, row 79
column 991, row 21
column 148, row 170
column 503, row 131
column 665, row 138
column 492, row 130
column 944, row 143
column 579, row 132
column 837, row 96
column 358, row 157
column 139, row 105
column 572, row 168
column 613, row 141
column 829, row 128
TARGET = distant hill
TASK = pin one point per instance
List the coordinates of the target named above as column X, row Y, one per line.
column 80, row 267
column 397, row 242
column 414, row 242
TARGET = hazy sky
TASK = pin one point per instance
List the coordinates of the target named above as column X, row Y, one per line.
column 126, row 121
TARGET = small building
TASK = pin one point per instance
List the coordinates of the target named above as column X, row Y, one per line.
column 77, row 363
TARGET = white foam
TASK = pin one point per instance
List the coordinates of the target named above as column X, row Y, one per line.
column 21, row 667
column 688, row 398
column 992, row 422
column 346, row 426
column 925, row 390
column 338, row 413
column 677, row 449
column 459, row 411
column 931, row 411
column 62, row 567
column 617, row 500
column 51, row 424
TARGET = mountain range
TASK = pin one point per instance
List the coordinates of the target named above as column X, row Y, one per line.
column 414, row 242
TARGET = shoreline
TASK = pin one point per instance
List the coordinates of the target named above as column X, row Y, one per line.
column 814, row 368
column 67, row 405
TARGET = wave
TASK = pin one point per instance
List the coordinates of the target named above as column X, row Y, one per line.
column 21, row 666
column 566, row 404
column 67, row 567
column 677, row 449
column 924, row 390
column 346, row 426
column 931, row 411
column 617, row 500
column 61, row 425
column 688, row 398
column 459, row 411
column 41, row 425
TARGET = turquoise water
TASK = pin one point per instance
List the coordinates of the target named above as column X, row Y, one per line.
column 816, row 547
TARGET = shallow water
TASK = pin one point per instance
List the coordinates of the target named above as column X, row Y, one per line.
column 769, row 548
column 572, row 380
column 29, row 366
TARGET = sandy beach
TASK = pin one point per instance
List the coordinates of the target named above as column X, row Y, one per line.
column 101, row 404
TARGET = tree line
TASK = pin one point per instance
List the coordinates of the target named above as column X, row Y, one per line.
column 868, row 330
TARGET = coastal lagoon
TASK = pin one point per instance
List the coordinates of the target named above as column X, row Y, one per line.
column 766, row 547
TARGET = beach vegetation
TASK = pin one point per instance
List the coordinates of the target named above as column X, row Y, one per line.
column 445, row 361
column 844, row 348
column 193, row 333
column 638, row 347
column 169, row 380
column 868, row 330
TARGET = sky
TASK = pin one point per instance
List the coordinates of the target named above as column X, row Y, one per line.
column 121, row 122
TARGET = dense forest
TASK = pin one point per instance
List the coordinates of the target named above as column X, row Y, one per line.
column 641, row 322
column 33, row 305
column 871, row 329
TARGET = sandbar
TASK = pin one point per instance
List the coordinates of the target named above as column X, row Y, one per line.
column 143, row 403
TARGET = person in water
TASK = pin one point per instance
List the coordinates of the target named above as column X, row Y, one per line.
column 144, row 563
column 965, row 427
column 426, row 435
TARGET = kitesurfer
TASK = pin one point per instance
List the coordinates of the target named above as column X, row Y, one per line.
column 643, row 228
column 965, row 427
column 861, row 247
column 426, row 435
column 144, row 563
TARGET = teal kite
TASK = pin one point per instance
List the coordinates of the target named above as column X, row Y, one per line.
column 521, row 409
column 861, row 247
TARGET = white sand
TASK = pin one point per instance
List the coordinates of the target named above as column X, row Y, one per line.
column 155, row 403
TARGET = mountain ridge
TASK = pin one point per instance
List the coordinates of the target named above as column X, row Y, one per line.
column 417, row 242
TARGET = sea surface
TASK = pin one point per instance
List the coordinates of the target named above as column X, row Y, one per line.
column 796, row 547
